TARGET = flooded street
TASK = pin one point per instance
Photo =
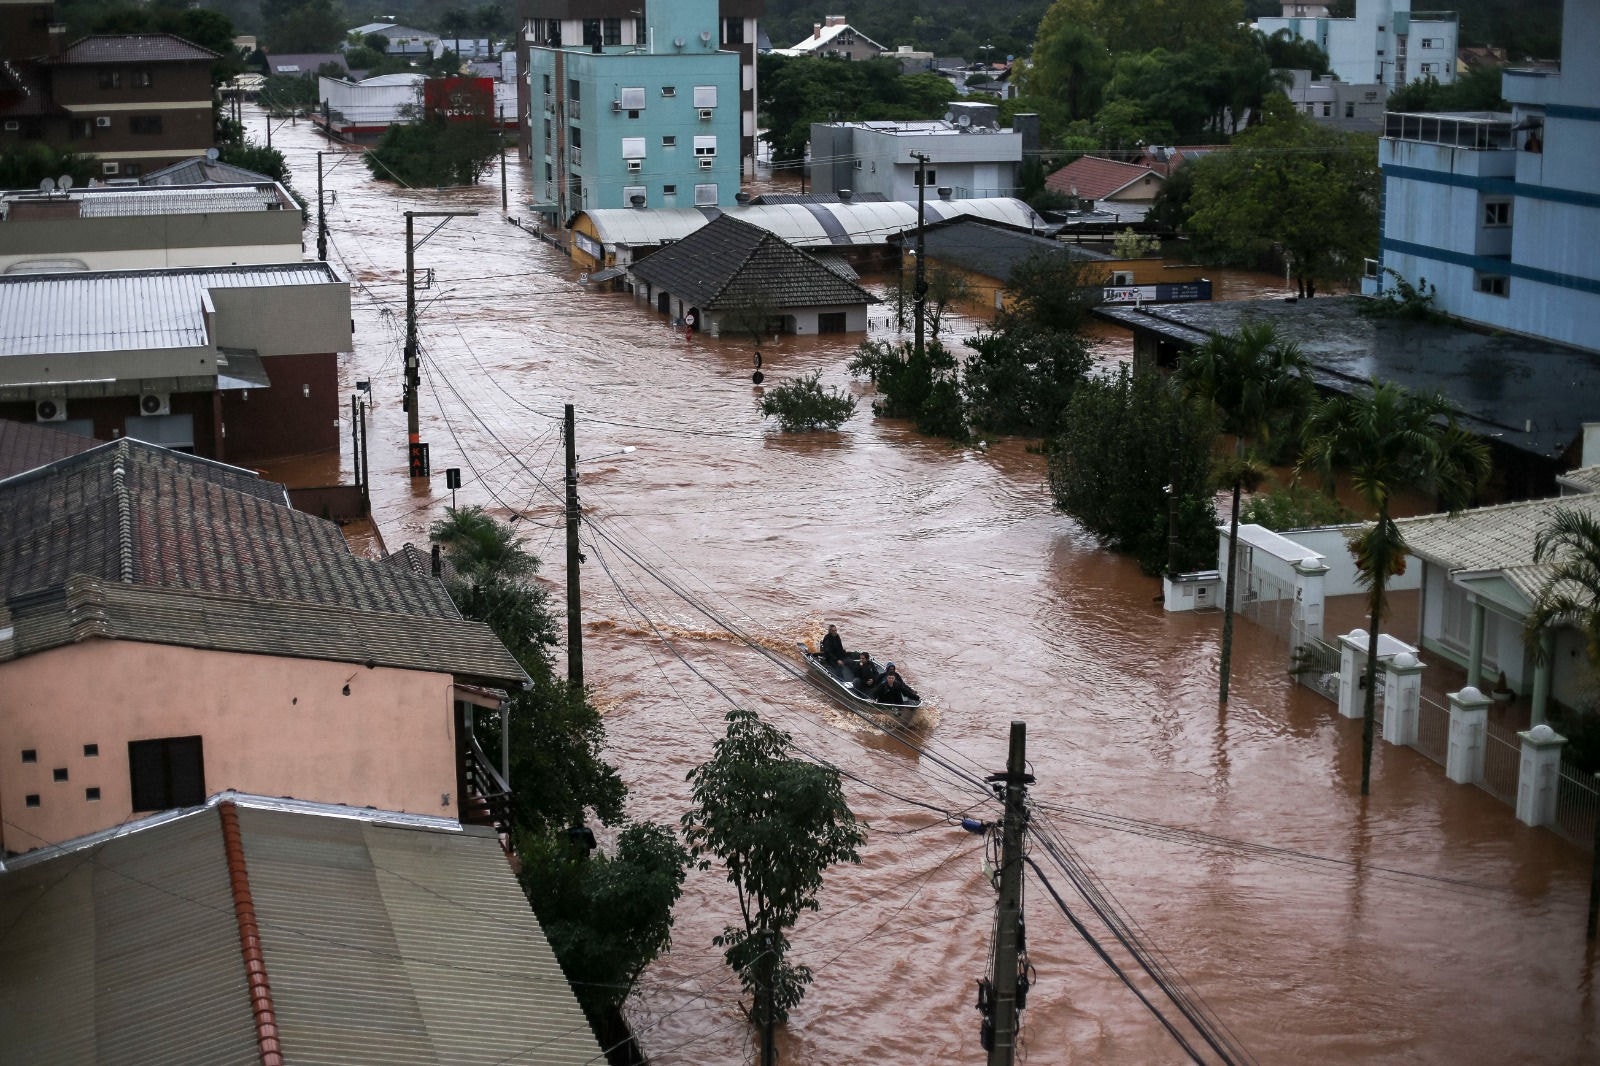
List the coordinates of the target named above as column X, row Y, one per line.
column 1423, row 925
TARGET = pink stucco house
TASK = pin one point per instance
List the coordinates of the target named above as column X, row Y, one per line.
column 171, row 628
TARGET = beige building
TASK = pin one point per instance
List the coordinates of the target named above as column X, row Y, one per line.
column 170, row 628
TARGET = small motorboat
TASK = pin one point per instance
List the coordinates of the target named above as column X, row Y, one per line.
column 844, row 689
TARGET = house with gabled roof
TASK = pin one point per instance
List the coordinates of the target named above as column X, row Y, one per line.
column 716, row 277
column 171, row 627
column 261, row 930
column 1112, row 184
column 835, row 38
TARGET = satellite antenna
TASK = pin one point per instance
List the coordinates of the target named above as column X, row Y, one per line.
column 212, row 154
column 64, row 183
column 705, row 35
column 949, row 116
column 964, row 120
column 47, row 186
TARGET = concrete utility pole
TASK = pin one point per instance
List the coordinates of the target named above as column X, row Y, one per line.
column 322, row 216
column 920, row 291
column 574, row 559
column 1008, row 916
column 504, row 202
column 418, row 465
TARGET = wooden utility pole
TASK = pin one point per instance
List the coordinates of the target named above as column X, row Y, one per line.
column 574, row 559
column 418, row 464
column 920, row 291
column 1008, row 916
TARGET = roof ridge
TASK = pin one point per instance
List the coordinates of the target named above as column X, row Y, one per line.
column 244, row 912
column 119, row 489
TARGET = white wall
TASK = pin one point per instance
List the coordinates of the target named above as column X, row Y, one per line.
column 1332, row 543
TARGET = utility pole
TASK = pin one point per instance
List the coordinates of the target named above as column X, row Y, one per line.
column 504, row 202
column 1594, row 876
column 418, row 461
column 769, row 1024
column 322, row 216
column 1008, row 916
column 921, row 290
column 574, row 559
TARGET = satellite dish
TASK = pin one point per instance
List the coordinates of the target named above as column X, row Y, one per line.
column 211, row 154
column 964, row 120
column 47, row 186
column 677, row 42
column 705, row 35
column 949, row 116
column 64, row 182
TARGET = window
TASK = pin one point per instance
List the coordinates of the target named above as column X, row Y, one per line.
column 705, row 196
column 705, row 96
column 30, row 755
column 639, row 32
column 669, row 141
column 1429, row 68
column 669, row 190
column 733, row 31
column 573, row 88
column 1494, row 284
column 591, row 32
column 164, row 773
column 633, row 99
column 633, row 147
column 575, row 136
column 13, row 125
column 1497, row 213
column 92, row 793
column 1349, row 109
column 133, row 170
column 91, row 751
column 547, row 85
column 1327, row 108
column 111, row 79
column 58, row 774
column 669, row 90
column 705, row 145
column 831, row 322
column 611, row 31
column 145, row 125
column 1311, row 109
column 108, row 169
column 31, row 799
column 547, row 130
column 1430, row 42
column 932, row 177
column 141, row 79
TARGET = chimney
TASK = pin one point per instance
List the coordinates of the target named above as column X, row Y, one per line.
column 438, row 562
column 58, row 34
column 816, row 30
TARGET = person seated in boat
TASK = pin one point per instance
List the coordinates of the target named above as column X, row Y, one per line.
column 866, row 674
column 892, row 689
column 833, row 653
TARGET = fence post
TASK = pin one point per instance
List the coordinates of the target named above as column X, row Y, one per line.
column 1308, row 601
column 1352, row 672
column 1402, row 699
column 1539, row 775
column 1469, row 727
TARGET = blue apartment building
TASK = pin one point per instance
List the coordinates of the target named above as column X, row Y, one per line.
column 1500, row 212
column 646, row 114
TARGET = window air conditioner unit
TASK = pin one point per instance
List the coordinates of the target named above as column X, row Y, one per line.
column 54, row 410
column 103, row 121
column 707, row 162
column 706, row 113
column 635, row 164
column 155, row 403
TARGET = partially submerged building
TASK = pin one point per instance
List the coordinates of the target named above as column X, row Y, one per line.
column 967, row 153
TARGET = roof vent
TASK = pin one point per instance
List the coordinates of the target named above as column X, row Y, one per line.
column 945, row 192
column 637, row 201
column 741, row 197
column 845, row 195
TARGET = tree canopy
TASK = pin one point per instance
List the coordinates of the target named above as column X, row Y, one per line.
column 799, row 90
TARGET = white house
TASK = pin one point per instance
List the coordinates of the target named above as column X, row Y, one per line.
column 967, row 152
column 836, row 38
column 362, row 111
column 1383, row 43
column 404, row 40
column 1498, row 210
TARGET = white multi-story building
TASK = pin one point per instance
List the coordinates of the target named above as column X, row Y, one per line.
column 1500, row 212
column 1383, row 43
column 966, row 152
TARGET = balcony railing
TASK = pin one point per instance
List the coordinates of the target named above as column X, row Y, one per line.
column 1483, row 131
column 573, row 109
column 488, row 797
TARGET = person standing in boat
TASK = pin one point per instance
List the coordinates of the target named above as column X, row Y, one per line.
column 833, row 654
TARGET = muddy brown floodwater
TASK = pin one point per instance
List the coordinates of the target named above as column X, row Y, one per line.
column 1424, row 925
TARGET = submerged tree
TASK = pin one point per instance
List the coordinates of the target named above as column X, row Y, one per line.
column 1254, row 383
column 802, row 403
column 777, row 823
column 1386, row 442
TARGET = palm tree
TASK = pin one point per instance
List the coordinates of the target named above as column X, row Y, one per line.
column 1254, row 382
column 1388, row 441
column 1571, row 590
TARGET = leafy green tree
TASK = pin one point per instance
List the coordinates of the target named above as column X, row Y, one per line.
column 803, row 404
column 308, row 26
column 1285, row 51
column 1170, row 209
column 1255, row 383
column 1570, row 591
column 1293, row 187
column 1476, row 90
column 923, row 387
column 1126, row 443
column 1389, row 441
column 25, row 165
column 1070, row 65
column 1021, row 379
column 435, row 151
column 1052, row 291
column 262, row 160
column 776, row 822
column 799, row 90
column 208, row 29
column 1294, row 506
column 1150, row 24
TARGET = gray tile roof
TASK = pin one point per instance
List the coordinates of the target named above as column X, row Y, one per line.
column 115, row 310
column 131, row 48
column 727, row 261
column 1583, row 479
column 1488, row 538
column 383, row 942
column 27, row 445
column 131, row 541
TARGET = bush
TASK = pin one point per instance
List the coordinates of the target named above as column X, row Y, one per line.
column 804, row 404
column 922, row 387
column 1294, row 507
column 434, row 152
column 1021, row 380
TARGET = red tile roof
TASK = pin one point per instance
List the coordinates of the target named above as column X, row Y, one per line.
column 132, row 48
column 1095, row 178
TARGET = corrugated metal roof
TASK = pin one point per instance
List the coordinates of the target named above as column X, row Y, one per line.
column 110, row 310
column 805, row 224
column 180, row 200
column 200, row 171
column 383, row 945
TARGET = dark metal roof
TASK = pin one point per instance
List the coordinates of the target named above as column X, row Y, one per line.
column 991, row 250
column 203, row 171
column 727, row 262
column 186, row 550
column 383, row 941
column 131, row 48
column 1527, row 394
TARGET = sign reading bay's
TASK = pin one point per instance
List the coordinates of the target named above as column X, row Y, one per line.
column 1178, row 292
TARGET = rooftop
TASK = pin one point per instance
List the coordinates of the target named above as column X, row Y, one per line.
column 1527, row 394
column 1094, row 178
column 28, row 445
column 1488, row 538
column 366, row 937
column 991, row 249
column 119, row 201
column 131, row 48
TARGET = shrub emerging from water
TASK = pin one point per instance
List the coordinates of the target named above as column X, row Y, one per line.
column 1294, row 507
column 802, row 404
column 924, row 388
column 1020, row 380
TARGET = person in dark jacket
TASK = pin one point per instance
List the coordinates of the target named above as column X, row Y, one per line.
column 833, row 654
column 866, row 675
column 893, row 690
